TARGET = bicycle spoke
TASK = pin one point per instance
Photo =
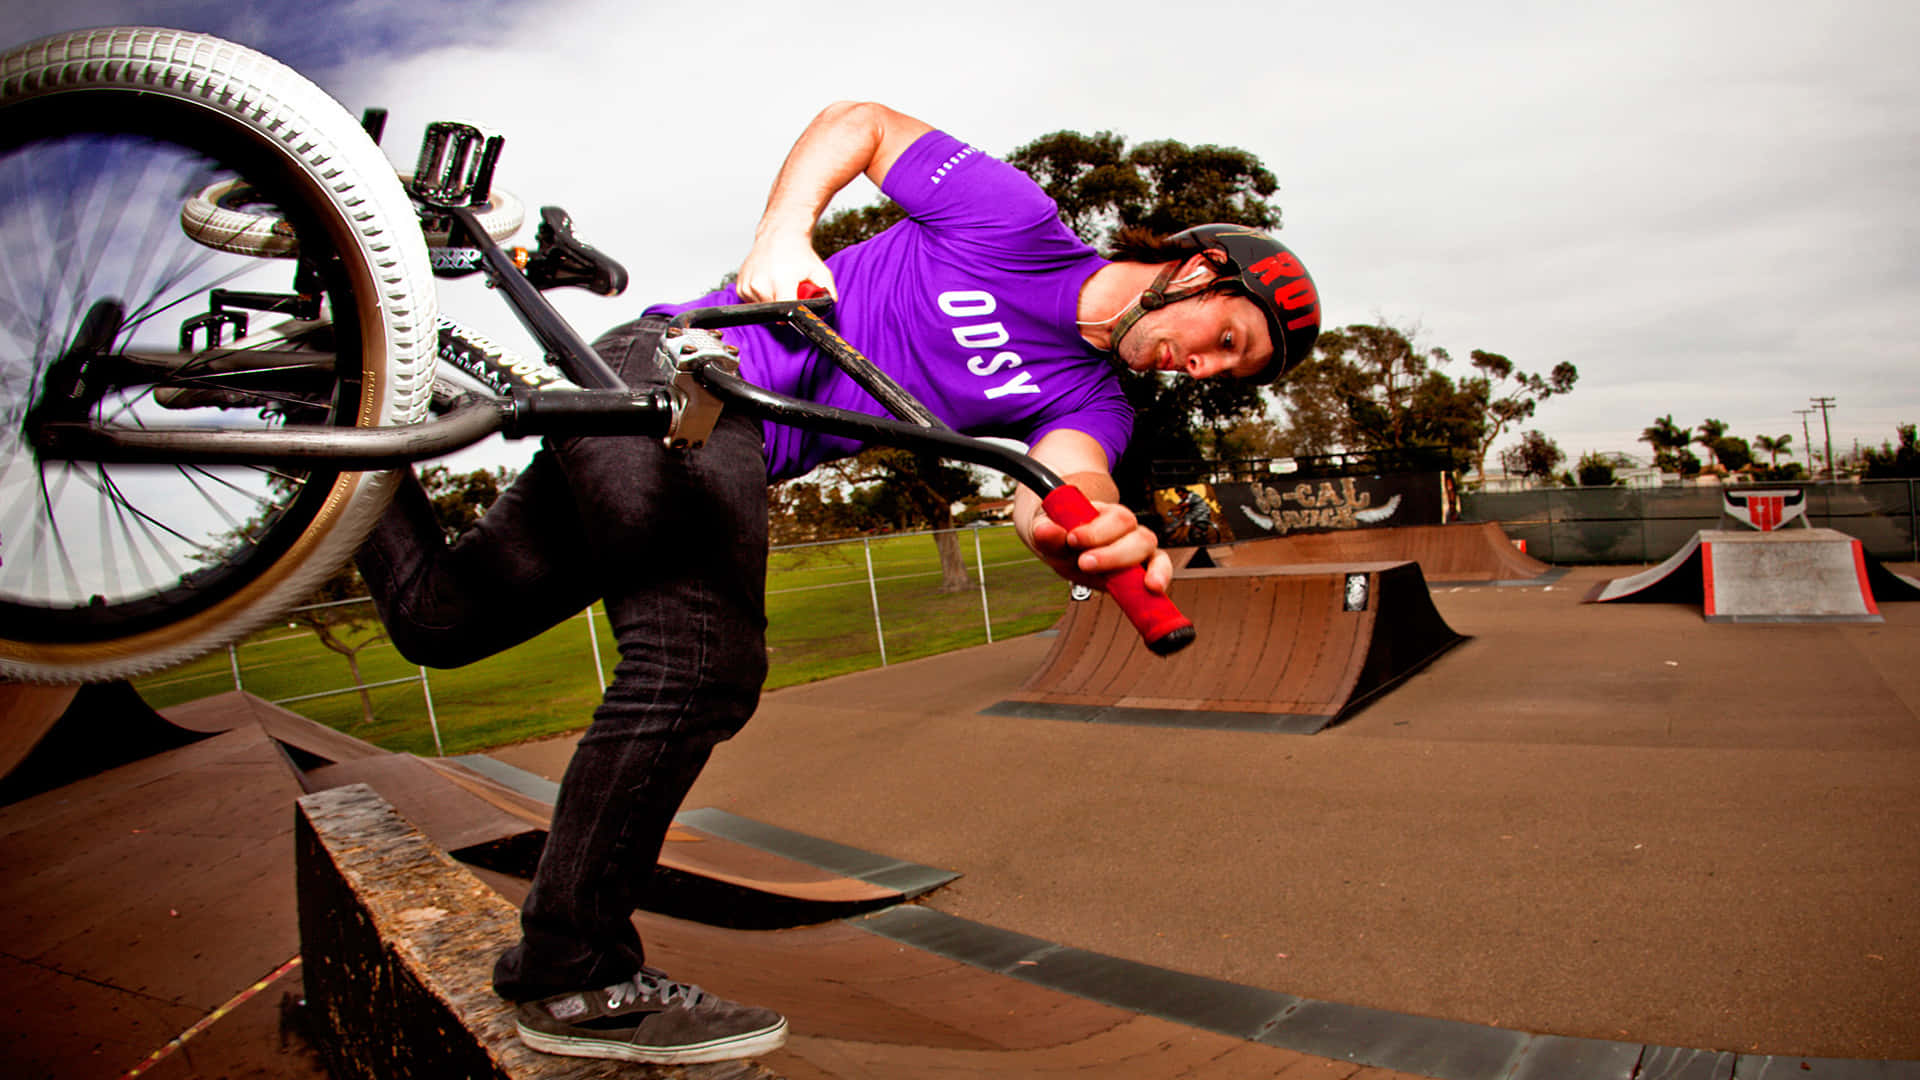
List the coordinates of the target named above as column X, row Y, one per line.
column 195, row 476
column 58, row 544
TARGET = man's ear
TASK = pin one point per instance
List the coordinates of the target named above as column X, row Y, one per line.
column 1198, row 268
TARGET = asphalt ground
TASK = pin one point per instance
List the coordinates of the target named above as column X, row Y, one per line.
column 1610, row 821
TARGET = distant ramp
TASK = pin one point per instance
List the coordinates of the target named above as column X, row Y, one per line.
column 1795, row 575
column 1282, row 648
column 1459, row 552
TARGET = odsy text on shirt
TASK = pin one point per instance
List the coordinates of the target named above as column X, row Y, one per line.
column 986, row 336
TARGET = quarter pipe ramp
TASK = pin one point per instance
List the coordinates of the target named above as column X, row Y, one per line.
column 1282, row 648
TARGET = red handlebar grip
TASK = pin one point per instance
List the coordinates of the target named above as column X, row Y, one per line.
column 808, row 290
column 1161, row 625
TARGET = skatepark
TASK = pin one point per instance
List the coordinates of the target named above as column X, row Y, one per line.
column 1576, row 839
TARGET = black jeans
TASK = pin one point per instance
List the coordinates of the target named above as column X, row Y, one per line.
column 676, row 544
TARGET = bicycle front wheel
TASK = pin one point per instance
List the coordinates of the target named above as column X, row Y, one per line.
column 111, row 313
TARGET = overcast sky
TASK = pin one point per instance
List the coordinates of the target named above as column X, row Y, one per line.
column 1708, row 207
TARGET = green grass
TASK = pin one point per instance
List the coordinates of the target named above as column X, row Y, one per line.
column 820, row 614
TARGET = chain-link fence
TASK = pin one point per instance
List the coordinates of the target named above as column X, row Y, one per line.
column 832, row 608
column 1645, row 525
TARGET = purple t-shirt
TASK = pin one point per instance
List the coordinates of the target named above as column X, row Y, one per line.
column 969, row 304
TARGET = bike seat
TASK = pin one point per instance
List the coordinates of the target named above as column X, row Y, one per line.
column 562, row 258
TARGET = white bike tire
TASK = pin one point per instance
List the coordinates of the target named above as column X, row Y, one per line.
column 243, row 232
column 371, row 223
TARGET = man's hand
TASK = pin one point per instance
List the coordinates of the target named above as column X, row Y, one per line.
column 846, row 139
column 1114, row 540
column 780, row 262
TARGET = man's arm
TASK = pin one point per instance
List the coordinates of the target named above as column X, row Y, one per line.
column 846, row 139
column 1113, row 541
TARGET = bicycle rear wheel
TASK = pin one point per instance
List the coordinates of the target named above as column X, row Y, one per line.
column 111, row 313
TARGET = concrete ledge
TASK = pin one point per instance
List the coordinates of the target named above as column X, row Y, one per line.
column 399, row 942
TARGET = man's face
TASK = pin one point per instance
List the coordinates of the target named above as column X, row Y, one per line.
column 1207, row 336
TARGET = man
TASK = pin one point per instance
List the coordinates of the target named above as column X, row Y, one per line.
column 985, row 308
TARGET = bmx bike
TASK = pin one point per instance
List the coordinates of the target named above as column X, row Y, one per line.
column 219, row 334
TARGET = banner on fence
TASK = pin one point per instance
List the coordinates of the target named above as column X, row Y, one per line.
column 1213, row 513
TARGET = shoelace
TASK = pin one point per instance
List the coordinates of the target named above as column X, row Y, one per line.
column 659, row 988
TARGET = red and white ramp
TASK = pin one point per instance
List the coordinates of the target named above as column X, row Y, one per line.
column 1797, row 575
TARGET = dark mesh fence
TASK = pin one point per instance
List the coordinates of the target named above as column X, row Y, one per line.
column 1645, row 525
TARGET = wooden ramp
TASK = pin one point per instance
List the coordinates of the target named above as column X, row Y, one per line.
column 1283, row 648
column 1460, row 552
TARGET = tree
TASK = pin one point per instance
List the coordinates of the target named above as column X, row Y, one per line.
column 1390, row 394
column 1527, row 392
column 1731, row 454
column 1595, row 470
column 919, row 490
column 1253, row 437
column 1376, row 388
column 1670, row 444
column 460, row 498
column 1892, row 461
column 1163, row 185
column 1099, row 185
column 800, row 511
column 345, row 623
column 1534, row 455
column 1773, row 447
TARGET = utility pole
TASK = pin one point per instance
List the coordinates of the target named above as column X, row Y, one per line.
column 1823, row 404
column 1806, row 439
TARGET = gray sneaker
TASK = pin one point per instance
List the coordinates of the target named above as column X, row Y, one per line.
column 650, row 1019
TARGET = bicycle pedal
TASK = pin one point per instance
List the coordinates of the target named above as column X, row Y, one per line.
column 456, row 165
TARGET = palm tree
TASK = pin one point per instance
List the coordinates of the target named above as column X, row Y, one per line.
column 1711, row 431
column 1667, row 440
column 1774, row 447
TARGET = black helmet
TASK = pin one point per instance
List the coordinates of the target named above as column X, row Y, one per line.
column 1273, row 278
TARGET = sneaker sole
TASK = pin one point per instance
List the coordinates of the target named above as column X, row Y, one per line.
column 736, row 1046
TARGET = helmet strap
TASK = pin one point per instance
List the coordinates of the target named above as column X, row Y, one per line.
column 1162, row 292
